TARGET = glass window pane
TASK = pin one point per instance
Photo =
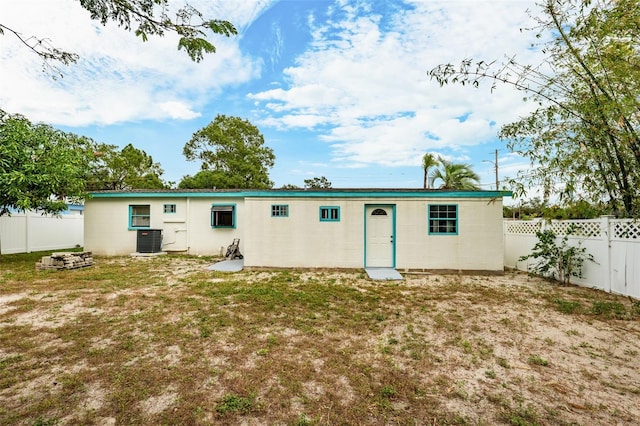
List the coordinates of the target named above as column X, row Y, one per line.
column 443, row 219
column 280, row 210
column 140, row 216
column 140, row 210
column 330, row 214
column 142, row 221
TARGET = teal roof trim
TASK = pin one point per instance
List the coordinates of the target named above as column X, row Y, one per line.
column 307, row 194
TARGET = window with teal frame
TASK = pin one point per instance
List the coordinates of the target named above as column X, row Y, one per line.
column 443, row 219
column 139, row 216
column 279, row 210
column 169, row 208
column 223, row 216
column 329, row 214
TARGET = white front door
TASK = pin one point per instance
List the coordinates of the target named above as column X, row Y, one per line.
column 379, row 236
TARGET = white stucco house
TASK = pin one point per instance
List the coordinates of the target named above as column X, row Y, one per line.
column 407, row 229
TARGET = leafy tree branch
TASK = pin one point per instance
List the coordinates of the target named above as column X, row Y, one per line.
column 451, row 175
column 317, row 183
column 583, row 138
column 41, row 168
column 146, row 18
column 43, row 48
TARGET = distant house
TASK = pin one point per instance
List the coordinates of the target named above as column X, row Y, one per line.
column 406, row 229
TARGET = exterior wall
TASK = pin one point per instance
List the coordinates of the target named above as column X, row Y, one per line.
column 302, row 240
column 187, row 230
column 478, row 246
column 205, row 240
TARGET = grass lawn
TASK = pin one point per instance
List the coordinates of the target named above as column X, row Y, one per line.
column 165, row 341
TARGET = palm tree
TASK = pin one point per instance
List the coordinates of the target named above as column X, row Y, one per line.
column 428, row 161
column 456, row 176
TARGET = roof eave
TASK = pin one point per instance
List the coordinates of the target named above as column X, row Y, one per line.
column 302, row 193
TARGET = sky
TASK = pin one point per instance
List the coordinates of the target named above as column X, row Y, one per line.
column 338, row 88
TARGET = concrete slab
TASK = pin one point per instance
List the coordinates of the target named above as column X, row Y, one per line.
column 234, row 265
column 383, row 274
column 158, row 253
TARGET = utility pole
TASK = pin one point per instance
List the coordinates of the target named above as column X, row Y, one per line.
column 495, row 166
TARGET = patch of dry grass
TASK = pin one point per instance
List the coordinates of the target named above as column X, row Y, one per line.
column 165, row 341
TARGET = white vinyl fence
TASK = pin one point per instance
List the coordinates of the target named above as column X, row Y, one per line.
column 613, row 243
column 31, row 231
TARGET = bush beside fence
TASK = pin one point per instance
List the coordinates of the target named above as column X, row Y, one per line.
column 613, row 243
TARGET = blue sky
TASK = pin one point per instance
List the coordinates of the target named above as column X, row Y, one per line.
column 338, row 88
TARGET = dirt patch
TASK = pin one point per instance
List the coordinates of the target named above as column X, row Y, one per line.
column 157, row 404
column 7, row 300
column 167, row 341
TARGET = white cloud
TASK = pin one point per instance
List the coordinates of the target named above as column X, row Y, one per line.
column 240, row 13
column 361, row 87
column 118, row 77
column 365, row 78
column 179, row 110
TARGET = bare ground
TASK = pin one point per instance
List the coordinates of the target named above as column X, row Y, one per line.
column 165, row 341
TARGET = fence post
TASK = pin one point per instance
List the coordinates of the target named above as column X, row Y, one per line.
column 27, row 228
column 605, row 232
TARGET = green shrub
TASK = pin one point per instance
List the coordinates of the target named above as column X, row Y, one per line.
column 559, row 262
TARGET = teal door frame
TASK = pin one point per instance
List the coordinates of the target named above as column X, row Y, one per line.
column 393, row 231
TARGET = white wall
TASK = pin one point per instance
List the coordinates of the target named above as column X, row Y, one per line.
column 31, row 231
column 478, row 246
column 613, row 243
column 188, row 230
column 302, row 240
